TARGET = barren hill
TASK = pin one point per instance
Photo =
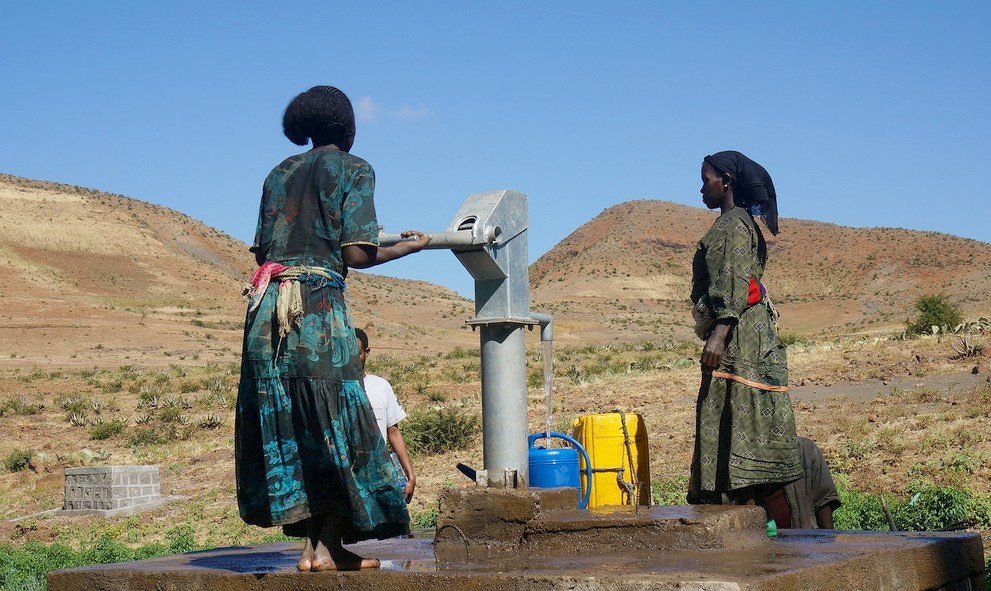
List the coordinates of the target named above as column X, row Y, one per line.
column 95, row 279
column 626, row 274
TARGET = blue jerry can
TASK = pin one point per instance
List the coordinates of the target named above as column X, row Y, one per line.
column 558, row 467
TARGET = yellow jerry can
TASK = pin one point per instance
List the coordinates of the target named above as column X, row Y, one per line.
column 616, row 443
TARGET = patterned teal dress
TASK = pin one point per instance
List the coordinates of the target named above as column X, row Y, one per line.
column 306, row 442
column 744, row 424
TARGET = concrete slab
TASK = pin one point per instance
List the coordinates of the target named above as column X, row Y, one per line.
column 474, row 524
column 796, row 560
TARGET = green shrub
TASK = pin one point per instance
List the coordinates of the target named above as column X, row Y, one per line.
column 73, row 404
column 460, row 352
column 433, row 431
column 647, row 363
column 535, row 378
column 20, row 406
column 926, row 508
column 17, row 460
column 112, row 386
column 436, row 396
column 789, row 338
column 181, row 539
column 859, row 510
column 423, row 519
column 172, row 414
column 851, row 453
column 979, row 508
column 673, row 491
column 211, row 421
column 931, row 508
column 25, row 568
column 105, row 551
column 153, row 434
column 934, row 310
column 107, row 429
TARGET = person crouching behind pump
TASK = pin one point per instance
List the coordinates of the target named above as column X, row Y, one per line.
column 388, row 413
column 809, row 502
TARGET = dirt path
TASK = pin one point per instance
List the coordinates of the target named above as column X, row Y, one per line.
column 869, row 389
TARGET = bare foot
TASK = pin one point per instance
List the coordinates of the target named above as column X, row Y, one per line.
column 347, row 560
column 323, row 566
column 305, row 563
column 327, row 536
column 344, row 560
column 329, row 552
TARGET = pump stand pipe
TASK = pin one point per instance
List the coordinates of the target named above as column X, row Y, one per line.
column 457, row 240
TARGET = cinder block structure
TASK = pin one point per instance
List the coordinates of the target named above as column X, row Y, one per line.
column 111, row 488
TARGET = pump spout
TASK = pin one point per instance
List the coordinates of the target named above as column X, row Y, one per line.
column 546, row 322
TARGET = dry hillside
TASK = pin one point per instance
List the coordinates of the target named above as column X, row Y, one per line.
column 94, row 279
column 626, row 274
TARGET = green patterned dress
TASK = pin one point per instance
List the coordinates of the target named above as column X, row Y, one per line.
column 744, row 425
column 306, row 442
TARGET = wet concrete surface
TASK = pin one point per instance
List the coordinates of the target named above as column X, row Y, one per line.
column 795, row 560
column 477, row 524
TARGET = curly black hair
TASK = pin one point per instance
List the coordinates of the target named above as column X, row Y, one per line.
column 323, row 114
column 362, row 337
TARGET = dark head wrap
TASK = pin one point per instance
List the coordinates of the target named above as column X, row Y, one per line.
column 752, row 186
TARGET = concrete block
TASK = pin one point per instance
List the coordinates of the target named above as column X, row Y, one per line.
column 107, row 488
column 490, row 517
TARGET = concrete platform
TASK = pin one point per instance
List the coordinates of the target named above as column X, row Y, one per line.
column 475, row 525
column 806, row 560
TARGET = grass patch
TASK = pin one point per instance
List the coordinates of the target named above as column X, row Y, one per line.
column 20, row 406
column 25, row 568
column 433, row 431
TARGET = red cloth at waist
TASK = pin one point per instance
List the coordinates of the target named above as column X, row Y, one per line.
column 755, row 292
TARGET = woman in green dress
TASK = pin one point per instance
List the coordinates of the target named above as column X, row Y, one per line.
column 308, row 453
column 745, row 440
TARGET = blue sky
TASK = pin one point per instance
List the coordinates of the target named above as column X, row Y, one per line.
column 865, row 113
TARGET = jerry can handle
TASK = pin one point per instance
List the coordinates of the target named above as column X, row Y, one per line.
column 533, row 437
